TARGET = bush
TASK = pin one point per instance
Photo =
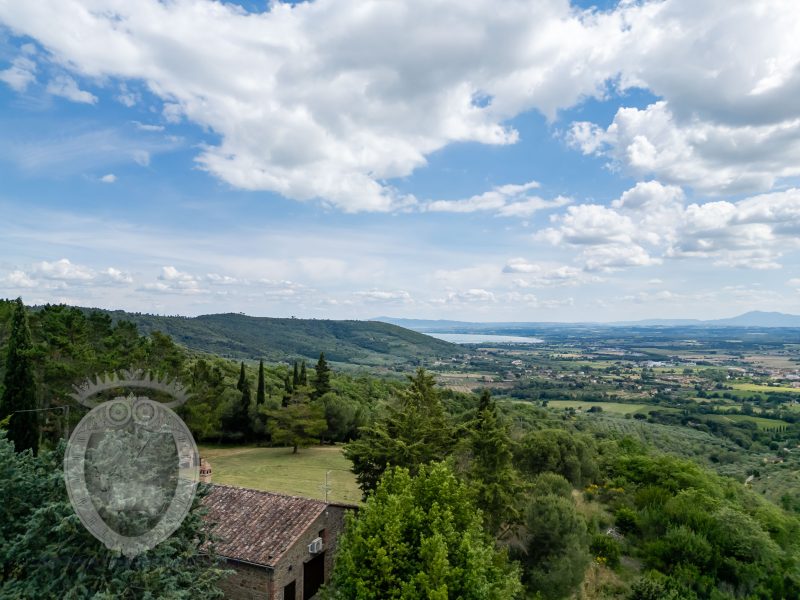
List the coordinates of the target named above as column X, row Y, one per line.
column 606, row 548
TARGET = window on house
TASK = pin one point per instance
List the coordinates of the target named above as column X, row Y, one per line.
column 289, row 591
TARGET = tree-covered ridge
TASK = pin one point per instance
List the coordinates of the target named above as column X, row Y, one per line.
column 233, row 335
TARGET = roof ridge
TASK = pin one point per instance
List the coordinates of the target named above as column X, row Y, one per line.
column 270, row 492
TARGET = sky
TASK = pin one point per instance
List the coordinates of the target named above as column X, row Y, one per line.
column 490, row 160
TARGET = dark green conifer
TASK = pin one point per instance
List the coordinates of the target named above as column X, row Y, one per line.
column 242, row 379
column 260, row 391
column 322, row 383
column 296, row 375
column 303, row 374
column 19, row 386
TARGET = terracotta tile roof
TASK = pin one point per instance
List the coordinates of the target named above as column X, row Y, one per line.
column 256, row 526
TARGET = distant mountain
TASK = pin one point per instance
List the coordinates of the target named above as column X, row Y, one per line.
column 749, row 319
column 235, row 335
column 757, row 318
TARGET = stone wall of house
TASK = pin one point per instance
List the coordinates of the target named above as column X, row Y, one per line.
column 260, row 583
column 249, row 582
column 290, row 567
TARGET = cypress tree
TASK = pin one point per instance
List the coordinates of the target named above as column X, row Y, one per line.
column 303, row 374
column 288, row 390
column 19, row 387
column 296, row 375
column 260, row 391
column 492, row 476
column 242, row 379
column 322, row 384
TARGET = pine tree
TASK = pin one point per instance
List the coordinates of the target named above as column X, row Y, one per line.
column 296, row 375
column 415, row 431
column 242, row 379
column 303, row 374
column 19, row 387
column 260, row 391
column 322, row 384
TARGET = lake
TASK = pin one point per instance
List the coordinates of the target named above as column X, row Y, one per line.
column 481, row 338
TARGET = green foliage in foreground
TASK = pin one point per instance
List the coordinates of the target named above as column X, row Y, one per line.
column 46, row 553
column 420, row 538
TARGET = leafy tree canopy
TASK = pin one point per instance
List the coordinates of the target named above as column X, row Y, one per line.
column 420, row 538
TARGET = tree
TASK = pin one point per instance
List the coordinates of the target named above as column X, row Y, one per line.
column 555, row 554
column 322, row 383
column 242, row 379
column 303, row 374
column 296, row 375
column 45, row 552
column 413, row 432
column 420, row 538
column 491, row 473
column 260, row 391
column 288, row 391
column 556, row 450
column 19, row 386
column 296, row 425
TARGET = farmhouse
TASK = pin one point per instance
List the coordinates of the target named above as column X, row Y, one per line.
column 281, row 547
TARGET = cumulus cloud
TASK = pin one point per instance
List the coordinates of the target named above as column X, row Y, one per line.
column 63, row 273
column 539, row 275
column 651, row 221
column 108, row 178
column 330, row 99
column 468, row 296
column 67, row 87
column 710, row 157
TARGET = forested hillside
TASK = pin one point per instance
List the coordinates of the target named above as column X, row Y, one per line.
column 239, row 336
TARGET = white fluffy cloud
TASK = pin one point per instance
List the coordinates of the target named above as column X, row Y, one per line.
column 330, row 99
column 651, row 222
column 710, row 157
column 61, row 274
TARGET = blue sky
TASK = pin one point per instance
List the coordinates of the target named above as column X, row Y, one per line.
column 496, row 161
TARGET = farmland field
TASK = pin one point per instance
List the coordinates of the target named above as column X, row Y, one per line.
column 754, row 387
column 278, row 470
column 613, row 407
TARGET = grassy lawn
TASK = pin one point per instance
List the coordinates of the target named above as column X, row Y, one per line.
column 612, row 407
column 278, row 470
column 754, row 387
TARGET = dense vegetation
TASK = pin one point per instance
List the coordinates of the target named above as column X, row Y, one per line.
column 466, row 495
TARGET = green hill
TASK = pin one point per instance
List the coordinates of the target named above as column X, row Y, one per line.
column 239, row 336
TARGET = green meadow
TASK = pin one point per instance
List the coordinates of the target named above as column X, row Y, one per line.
column 278, row 470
